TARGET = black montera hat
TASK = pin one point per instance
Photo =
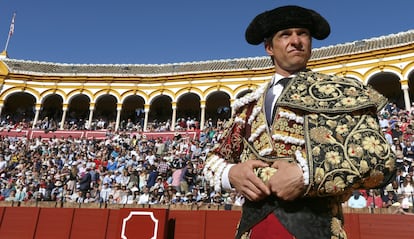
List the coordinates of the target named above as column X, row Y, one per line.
column 268, row 23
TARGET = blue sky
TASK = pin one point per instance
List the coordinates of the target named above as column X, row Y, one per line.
column 171, row 31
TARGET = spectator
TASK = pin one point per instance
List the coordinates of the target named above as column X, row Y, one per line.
column 158, row 187
column 11, row 197
column 189, row 198
column 133, row 179
column 390, row 197
column 73, row 177
column 85, row 182
column 217, row 199
column 190, row 177
column 117, row 193
column 399, row 178
column 387, row 134
column 399, row 153
column 396, row 132
column 88, row 198
column 374, row 199
column 144, row 198
column 407, row 202
column 7, row 191
column 165, row 198
column 124, row 178
column 357, row 200
column 407, row 188
column 95, row 192
column 231, row 198
column 175, row 180
column 152, row 176
column 178, row 199
column 3, row 164
column 142, row 172
column 104, row 193
column 408, row 151
column 406, row 166
column 163, row 167
column 57, row 191
column 383, row 121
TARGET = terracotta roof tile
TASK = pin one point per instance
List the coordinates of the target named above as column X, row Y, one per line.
column 59, row 69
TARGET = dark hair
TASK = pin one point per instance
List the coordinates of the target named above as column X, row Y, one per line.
column 268, row 41
column 356, row 194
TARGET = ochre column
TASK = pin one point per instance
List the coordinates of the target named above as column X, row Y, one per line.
column 404, row 87
column 174, row 115
column 146, row 110
column 1, row 106
column 36, row 117
column 118, row 115
column 91, row 109
column 203, row 114
column 62, row 121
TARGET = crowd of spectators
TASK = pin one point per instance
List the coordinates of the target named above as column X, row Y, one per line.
column 123, row 168
column 51, row 124
column 128, row 168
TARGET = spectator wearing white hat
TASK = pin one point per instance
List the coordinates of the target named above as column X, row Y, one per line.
column 178, row 199
column 189, row 198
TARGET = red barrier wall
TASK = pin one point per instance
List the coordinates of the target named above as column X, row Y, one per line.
column 2, row 209
column 352, row 225
column 188, row 225
column 67, row 223
column 53, row 223
column 113, row 229
column 386, row 226
column 221, row 224
column 89, row 223
column 19, row 222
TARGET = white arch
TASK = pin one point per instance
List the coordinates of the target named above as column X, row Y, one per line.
column 69, row 99
column 369, row 76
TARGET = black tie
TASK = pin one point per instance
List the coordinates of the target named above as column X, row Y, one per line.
column 283, row 81
column 270, row 113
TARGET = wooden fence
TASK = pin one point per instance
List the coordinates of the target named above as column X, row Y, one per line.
column 46, row 220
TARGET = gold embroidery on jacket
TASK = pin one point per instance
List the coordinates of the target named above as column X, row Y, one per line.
column 350, row 152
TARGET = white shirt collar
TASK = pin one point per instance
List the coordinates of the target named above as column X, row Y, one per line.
column 277, row 77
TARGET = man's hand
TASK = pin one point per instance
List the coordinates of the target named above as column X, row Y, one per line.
column 243, row 179
column 287, row 182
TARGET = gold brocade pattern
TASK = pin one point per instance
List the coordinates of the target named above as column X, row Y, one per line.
column 246, row 235
column 287, row 133
column 231, row 143
column 344, row 152
column 337, row 229
column 315, row 92
column 262, row 141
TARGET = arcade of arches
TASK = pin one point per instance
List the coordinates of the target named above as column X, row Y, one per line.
column 21, row 106
column 30, row 91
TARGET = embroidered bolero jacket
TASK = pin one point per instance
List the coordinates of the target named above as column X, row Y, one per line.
column 328, row 122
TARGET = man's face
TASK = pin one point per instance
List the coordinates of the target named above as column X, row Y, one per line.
column 291, row 49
